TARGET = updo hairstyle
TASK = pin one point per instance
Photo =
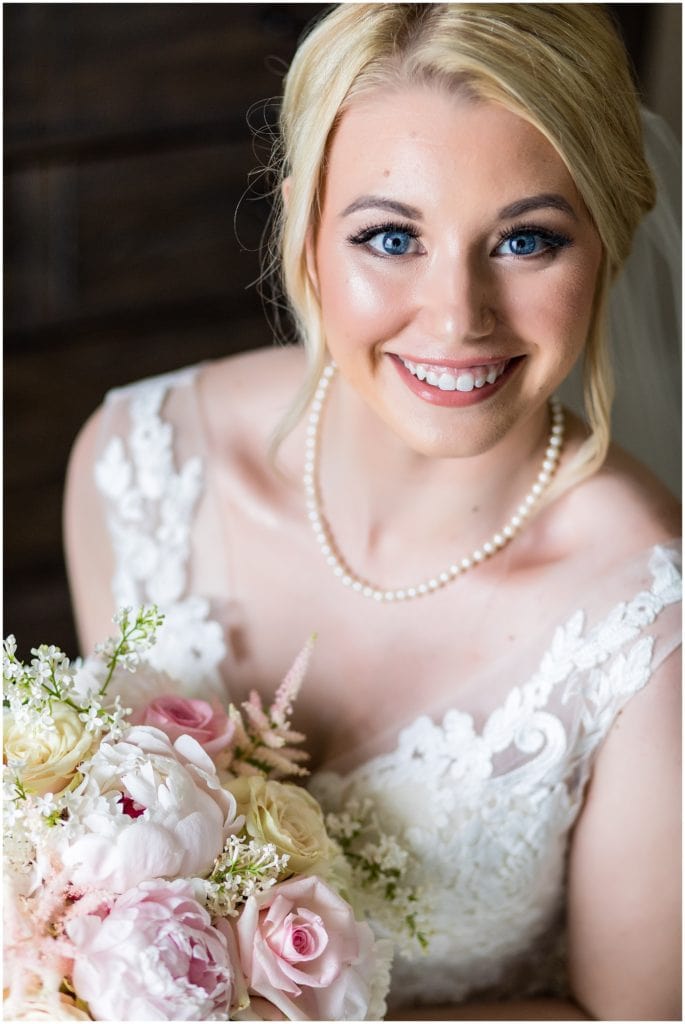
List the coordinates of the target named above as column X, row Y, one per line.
column 561, row 67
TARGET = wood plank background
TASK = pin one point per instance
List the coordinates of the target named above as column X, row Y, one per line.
column 127, row 154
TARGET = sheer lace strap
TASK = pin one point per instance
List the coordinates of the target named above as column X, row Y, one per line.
column 149, row 501
column 651, row 630
column 150, row 474
column 666, row 566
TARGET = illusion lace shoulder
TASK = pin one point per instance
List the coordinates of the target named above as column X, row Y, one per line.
column 497, row 805
column 153, row 497
column 498, row 793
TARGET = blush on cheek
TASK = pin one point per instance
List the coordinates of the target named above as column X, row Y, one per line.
column 573, row 303
column 360, row 310
column 354, row 294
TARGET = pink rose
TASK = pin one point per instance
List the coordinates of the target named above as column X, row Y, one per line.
column 154, row 956
column 302, row 949
column 177, row 716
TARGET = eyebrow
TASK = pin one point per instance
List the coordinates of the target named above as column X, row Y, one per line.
column 545, row 199
column 381, row 203
column 549, row 200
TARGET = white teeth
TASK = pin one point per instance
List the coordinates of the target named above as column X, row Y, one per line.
column 458, row 380
column 447, row 382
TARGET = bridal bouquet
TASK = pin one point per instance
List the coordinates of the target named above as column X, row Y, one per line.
column 159, row 865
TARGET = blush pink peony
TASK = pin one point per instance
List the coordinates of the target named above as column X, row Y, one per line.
column 178, row 716
column 147, row 809
column 302, row 949
column 154, row 956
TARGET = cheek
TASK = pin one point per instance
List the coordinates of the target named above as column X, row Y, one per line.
column 359, row 305
column 557, row 309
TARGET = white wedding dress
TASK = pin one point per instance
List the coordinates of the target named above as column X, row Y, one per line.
column 483, row 794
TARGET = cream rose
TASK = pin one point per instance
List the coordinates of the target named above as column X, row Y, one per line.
column 46, row 760
column 287, row 816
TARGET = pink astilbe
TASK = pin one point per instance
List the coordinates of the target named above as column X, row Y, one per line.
column 49, row 902
column 37, row 956
column 263, row 741
column 287, row 692
column 87, row 901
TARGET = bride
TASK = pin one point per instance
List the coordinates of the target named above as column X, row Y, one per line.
column 493, row 585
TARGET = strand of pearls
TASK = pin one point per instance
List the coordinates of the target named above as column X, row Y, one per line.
column 324, row 534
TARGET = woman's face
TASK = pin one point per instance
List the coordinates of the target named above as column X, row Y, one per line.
column 455, row 265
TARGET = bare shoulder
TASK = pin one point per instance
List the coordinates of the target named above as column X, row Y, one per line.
column 624, row 950
column 86, row 539
column 243, row 397
column 623, row 509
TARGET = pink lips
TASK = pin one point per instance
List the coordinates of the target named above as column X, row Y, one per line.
column 454, row 399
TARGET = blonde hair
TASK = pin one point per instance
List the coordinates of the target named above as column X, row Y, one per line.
column 562, row 67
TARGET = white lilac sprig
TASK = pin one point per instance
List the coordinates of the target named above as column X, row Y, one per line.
column 31, row 691
column 380, row 868
column 137, row 634
column 264, row 742
column 244, row 868
column 50, row 723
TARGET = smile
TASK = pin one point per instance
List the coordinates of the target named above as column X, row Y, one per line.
column 449, row 379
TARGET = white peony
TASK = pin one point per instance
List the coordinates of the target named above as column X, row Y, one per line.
column 147, row 809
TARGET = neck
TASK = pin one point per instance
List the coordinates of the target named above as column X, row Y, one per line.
column 395, row 512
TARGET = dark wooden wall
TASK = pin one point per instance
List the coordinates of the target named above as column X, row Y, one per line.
column 127, row 154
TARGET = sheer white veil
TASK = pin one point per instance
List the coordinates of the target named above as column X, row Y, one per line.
column 645, row 323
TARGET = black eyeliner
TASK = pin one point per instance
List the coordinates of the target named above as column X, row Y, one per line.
column 555, row 239
column 366, row 234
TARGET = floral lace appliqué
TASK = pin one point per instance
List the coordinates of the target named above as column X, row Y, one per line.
column 487, row 815
column 150, row 508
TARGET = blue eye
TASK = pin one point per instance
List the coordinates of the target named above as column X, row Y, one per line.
column 388, row 239
column 530, row 242
column 522, row 245
column 392, row 243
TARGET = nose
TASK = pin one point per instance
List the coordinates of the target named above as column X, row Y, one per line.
column 457, row 299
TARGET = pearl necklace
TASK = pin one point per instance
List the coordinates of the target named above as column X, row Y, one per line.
column 324, row 534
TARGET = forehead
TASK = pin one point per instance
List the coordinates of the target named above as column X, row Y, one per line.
column 425, row 139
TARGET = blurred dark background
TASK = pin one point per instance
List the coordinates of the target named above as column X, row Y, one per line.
column 127, row 153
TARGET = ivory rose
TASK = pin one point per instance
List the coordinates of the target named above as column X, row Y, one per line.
column 287, row 816
column 302, row 949
column 154, row 956
column 147, row 809
column 47, row 759
column 178, row 716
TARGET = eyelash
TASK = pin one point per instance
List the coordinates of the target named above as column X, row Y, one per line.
column 553, row 239
column 366, row 234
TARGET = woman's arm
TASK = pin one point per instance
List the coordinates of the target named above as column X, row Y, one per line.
column 87, row 544
column 624, row 877
column 625, row 866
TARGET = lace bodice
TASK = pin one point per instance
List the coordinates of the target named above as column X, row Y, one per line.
column 484, row 803
column 493, row 841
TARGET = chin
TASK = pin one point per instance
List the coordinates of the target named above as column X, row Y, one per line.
column 449, row 443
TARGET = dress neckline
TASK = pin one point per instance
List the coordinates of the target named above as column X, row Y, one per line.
column 571, row 647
